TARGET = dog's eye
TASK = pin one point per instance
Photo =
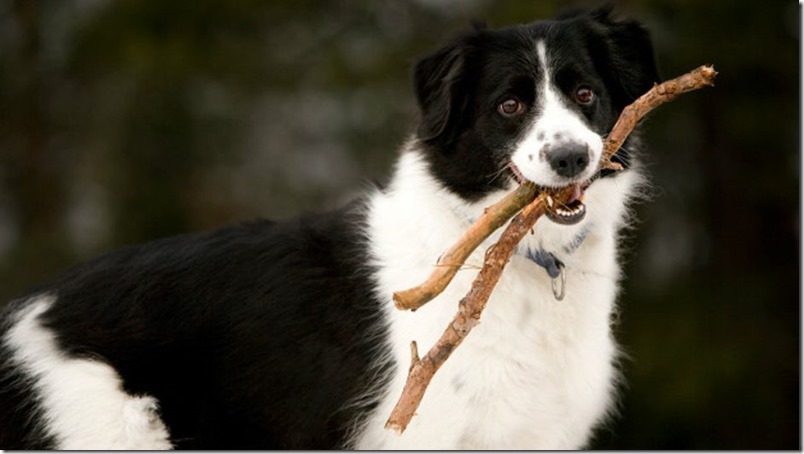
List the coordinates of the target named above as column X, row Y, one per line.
column 511, row 107
column 584, row 95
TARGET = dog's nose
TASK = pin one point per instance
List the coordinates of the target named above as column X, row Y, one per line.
column 569, row 159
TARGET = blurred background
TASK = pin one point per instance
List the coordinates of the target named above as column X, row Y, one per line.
column 124, row 121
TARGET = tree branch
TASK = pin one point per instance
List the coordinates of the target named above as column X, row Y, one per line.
column 472, row 305
column 450, row 262
column 468, row 315
column 702, row 76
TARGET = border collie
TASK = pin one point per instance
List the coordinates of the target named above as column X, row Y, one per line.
column 283, row 335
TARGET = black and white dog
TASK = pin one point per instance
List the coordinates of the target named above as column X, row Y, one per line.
column 283, row 335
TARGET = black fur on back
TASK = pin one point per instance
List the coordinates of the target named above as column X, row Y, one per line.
column 260, row 335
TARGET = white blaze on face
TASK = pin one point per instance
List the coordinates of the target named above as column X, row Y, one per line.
column 554, row 126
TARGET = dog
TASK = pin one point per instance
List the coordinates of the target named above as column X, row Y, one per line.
column 283, row 335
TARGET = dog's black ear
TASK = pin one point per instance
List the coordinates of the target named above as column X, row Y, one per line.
column 439, row 79
column 631, row 64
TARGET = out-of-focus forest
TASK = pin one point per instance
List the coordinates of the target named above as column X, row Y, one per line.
column 124, row 121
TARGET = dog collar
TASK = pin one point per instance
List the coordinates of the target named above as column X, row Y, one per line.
column 546, row 260
column 553, row 265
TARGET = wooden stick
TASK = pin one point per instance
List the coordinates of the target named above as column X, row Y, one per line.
column 496, row 215
column 450, row 262
column 472, row 305
column 468, row 315
column 702, row 76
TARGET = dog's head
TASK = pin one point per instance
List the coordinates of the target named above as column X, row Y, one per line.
column 530, row 101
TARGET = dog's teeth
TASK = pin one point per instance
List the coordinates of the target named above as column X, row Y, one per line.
column 549, row 201
column 570, row 212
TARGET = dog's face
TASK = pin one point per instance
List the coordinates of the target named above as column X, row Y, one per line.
column 529, row 102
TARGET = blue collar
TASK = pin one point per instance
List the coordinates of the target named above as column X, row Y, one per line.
column 546, row 260
column 552, row 264
column 554, row 268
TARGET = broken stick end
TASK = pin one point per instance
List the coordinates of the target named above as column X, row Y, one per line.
column 412, row 298
column 395, row 426
column 414, row 356
column 399, row 300
column 709, row 74
column 617, row 167
column 405, row 300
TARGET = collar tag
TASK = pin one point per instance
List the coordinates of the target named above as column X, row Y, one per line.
column 554, row 268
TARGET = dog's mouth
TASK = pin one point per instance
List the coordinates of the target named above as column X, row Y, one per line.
column 569, row 213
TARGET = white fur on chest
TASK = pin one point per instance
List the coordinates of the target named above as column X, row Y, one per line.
column 536, row 373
